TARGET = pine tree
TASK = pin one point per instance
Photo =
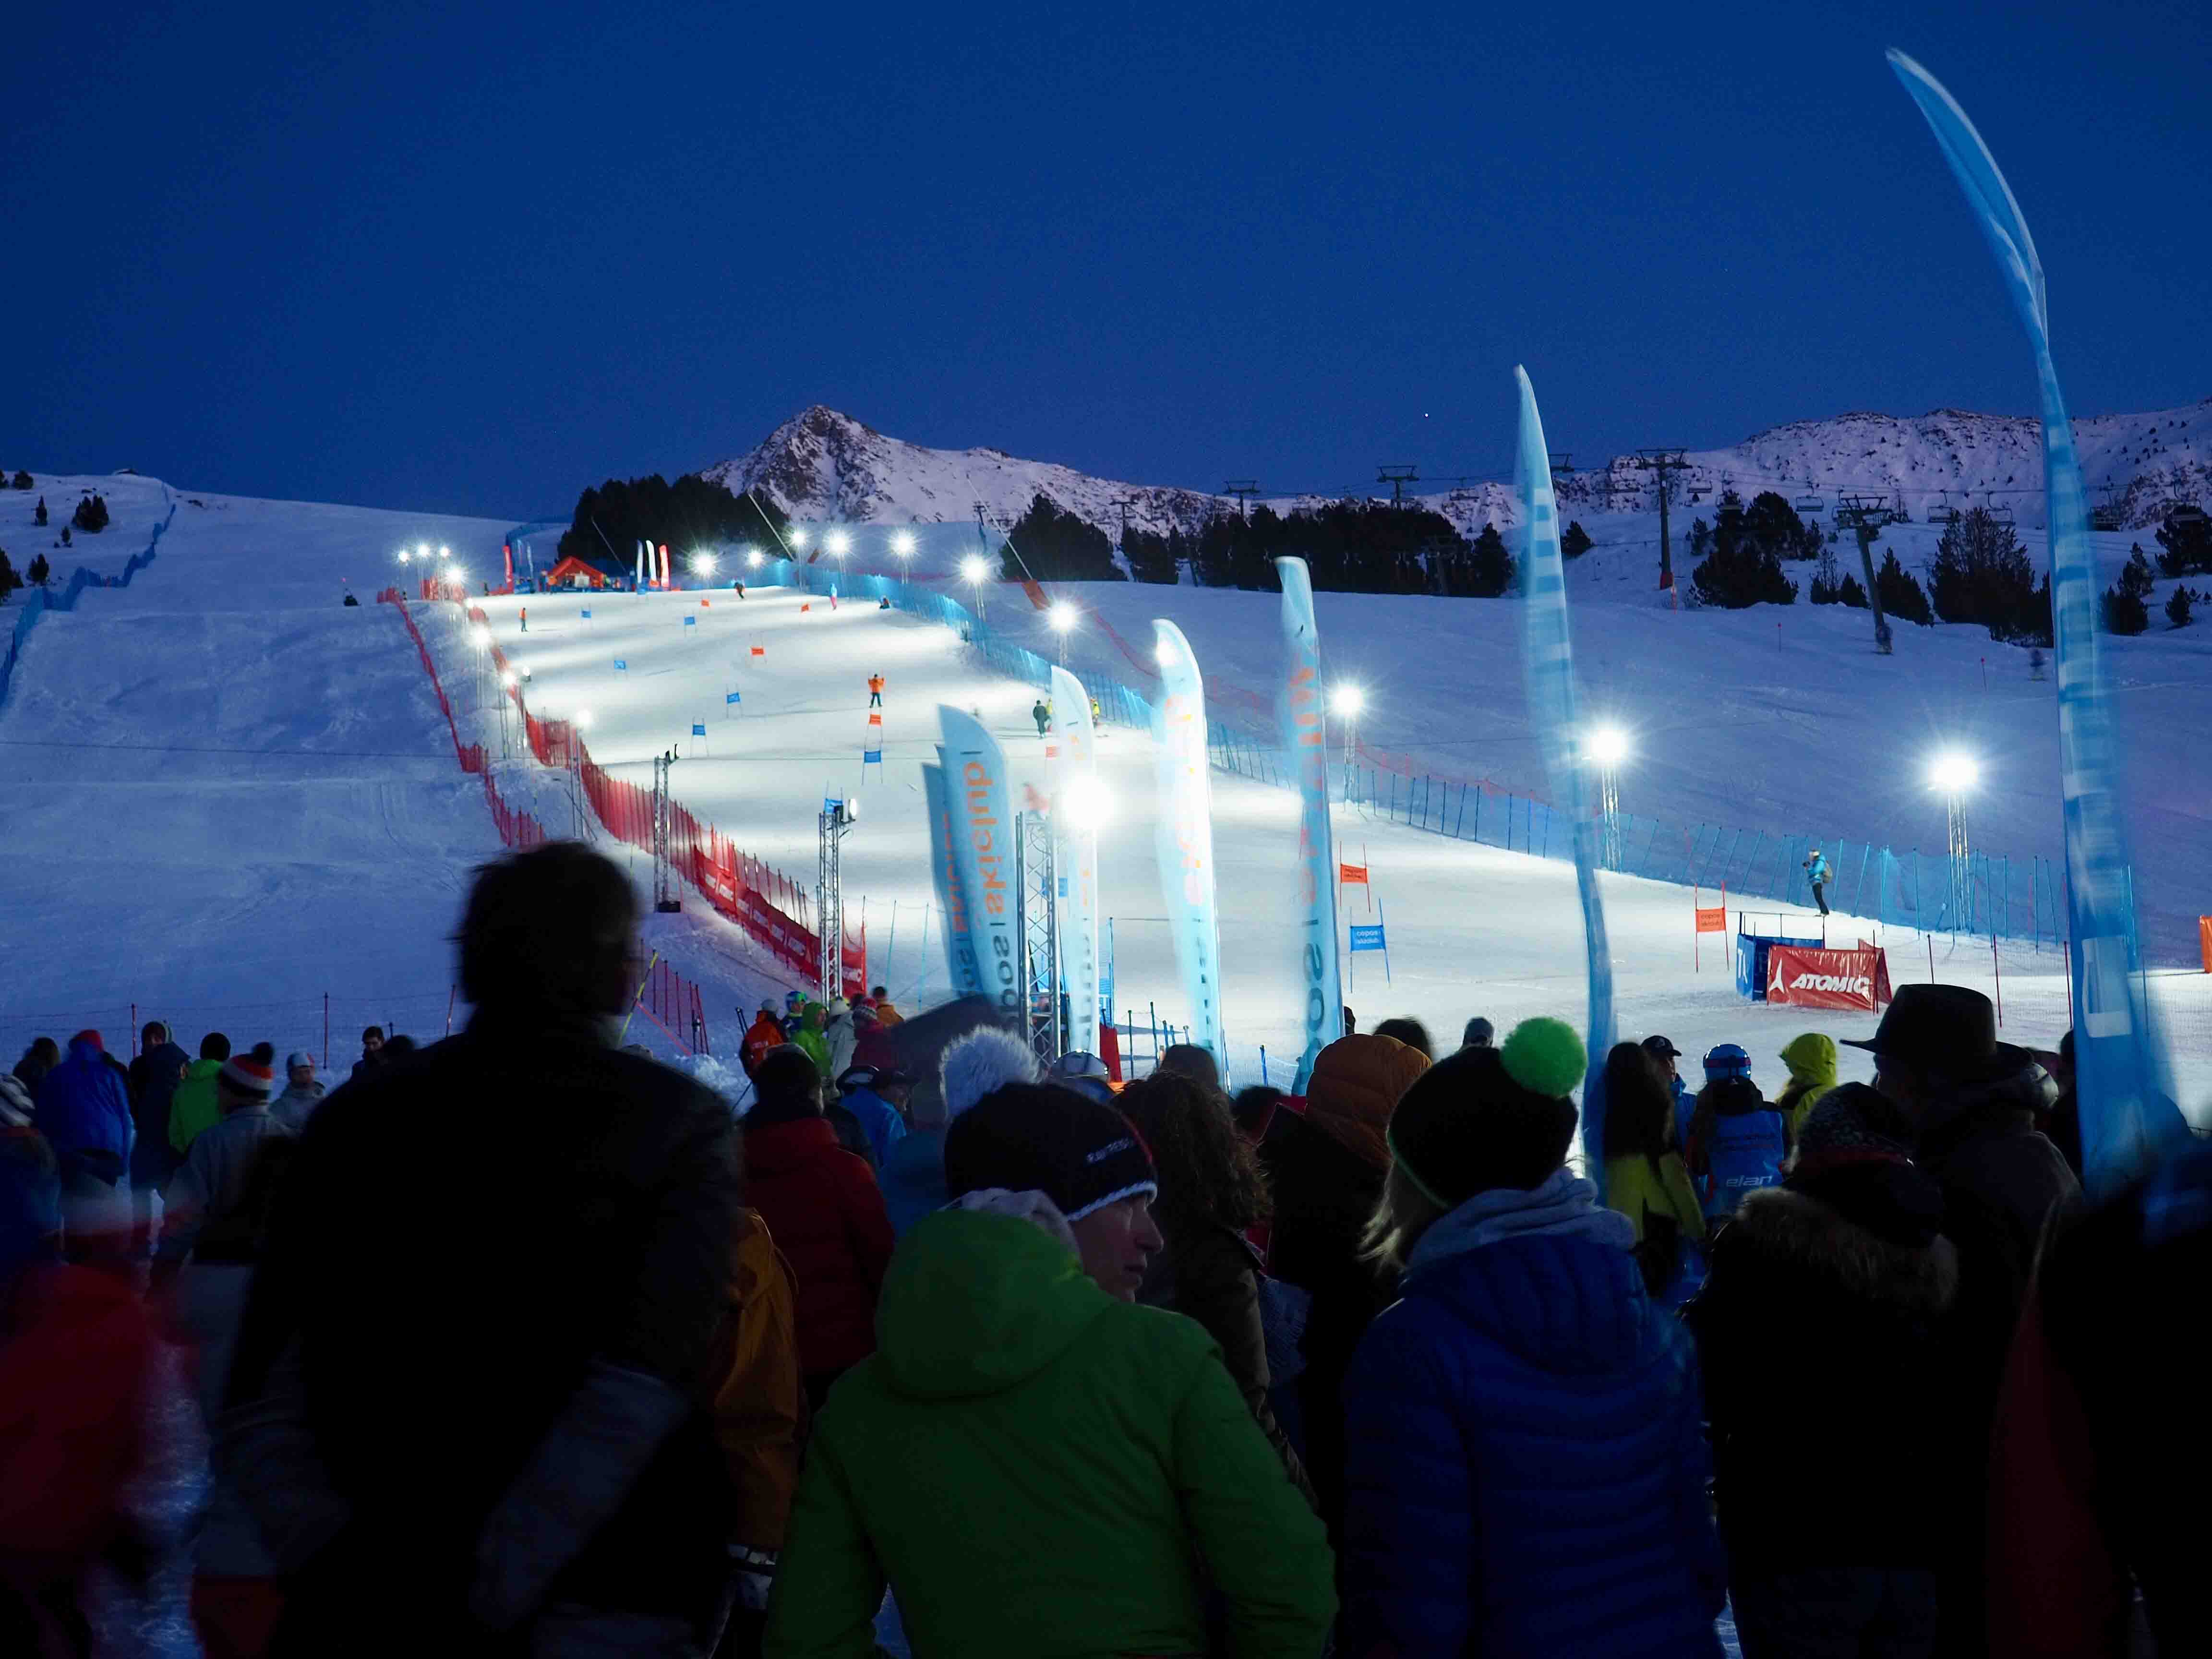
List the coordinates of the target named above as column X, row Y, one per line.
column 1057, row 546
column 2125, row 611
column 2185, row 544
column 22, row 480
column 91, row 514
column 1901, row 596
column 1491, row 570
column 1575, row 541
column 2177, row 606
column 1851, row 594
column 1149, row 556
column 10, row 580
column 39, row 515
column 1740, row 568
column 1982, row 575
column 39, row 570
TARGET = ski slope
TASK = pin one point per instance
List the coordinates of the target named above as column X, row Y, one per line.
column 1473, row 930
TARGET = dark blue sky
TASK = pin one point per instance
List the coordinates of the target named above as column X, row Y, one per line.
column 473, row 257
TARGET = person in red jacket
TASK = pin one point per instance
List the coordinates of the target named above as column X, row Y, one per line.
column 827, row 1214
column 765, row 1033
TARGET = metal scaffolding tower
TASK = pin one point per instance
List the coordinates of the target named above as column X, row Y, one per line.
column 1033, row 880
column 664, row 888
column 832, row 823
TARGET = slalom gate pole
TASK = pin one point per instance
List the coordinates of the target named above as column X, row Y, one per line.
column 1998, row 968
column 134, row 1031
column 452, row 991
column 1930, row 938
column 327, row 1030
column 635, row 1000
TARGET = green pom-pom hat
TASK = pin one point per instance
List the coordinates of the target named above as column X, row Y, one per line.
column 1485, row 1118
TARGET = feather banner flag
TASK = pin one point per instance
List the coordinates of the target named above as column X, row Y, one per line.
column 984, row 832
column 1184, row 838
column 1304, row 717
column 2119, row 1066
column 1075, row 810
column 1552, row 702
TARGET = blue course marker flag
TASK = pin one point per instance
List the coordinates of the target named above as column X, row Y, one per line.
column 587, row 613
column 1368, row 938
column 621, row 665
column 733, row 697
column 871, row 757
column 698, row 729
column 691, row 622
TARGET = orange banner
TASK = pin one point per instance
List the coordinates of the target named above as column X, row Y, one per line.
column 1351, row 875
column 1714, row 920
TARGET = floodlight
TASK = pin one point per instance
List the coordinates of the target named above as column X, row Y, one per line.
column 1063, row 616
column 902, row 544
column 838, row 543
column 1347, row 700
column 702, row 564
column 583, row 719
column 973, row 569
column 799, row 535
column 753, row 557
column 1086, row 803
column 1608, row 745
column 1953, row 772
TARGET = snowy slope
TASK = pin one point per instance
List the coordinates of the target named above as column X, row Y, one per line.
column 824, row 464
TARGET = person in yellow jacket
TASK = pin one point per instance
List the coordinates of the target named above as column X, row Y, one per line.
column 760, row 1418
column 1812, row 1062
column 1646, row 1178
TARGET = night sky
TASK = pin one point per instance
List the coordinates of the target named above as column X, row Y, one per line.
column 473, row 257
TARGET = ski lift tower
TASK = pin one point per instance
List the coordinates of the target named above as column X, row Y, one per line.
column 1033, row 880
column 1244, row 489
column 835, row 822
column 1864, row 516
column 1659, row 463
column 665, row 901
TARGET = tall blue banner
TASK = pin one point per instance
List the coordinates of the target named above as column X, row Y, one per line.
column 2118, row 1063
column 1552, row 704
column 1301, row 709
column 1184, row 838
column 1075, row 805
column 984, row 833
column 944, row 875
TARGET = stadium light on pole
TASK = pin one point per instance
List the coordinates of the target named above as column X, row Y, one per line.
column 701, row 564
column 902, row 544
column 798, row 535
column 1063, row 618
column 837, row 544
column 1609, row 748
column 974, row 570
column 1345, row 699
column 1955, row 774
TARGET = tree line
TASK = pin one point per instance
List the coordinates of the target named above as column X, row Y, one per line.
column 611, row 518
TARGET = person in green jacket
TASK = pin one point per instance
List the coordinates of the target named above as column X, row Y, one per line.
column 194, row 1106
column 1035, row 1463
column 810, row 1036
column 1646, row 1178
column 1812, row 1062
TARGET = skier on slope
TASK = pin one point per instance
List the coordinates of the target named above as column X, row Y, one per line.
column 1041, row 714
column 1818, row 873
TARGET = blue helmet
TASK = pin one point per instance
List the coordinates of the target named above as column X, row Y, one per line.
column 1727, row 1061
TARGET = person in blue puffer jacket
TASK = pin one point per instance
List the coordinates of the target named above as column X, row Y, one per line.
column 1525, row 1469
column 84, row 1112
column 1737, row 1143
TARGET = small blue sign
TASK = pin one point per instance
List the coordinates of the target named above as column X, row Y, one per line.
column 587, row 613
column 698, row 729
column 691, row 622
column 871, row 757
column 621, row 665
column 1369, row 938
column 732, row 697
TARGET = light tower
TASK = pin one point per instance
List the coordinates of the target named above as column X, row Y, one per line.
column 1345, row 702
column 1063, row 617
column 1608, row 747
column 834, row 822
column 1033, row 880
column 665, row 901
column 1956, row 774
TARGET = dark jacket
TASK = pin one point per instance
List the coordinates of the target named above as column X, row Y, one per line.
column 822, row 1204
column 1525, row 1471
column 154, row 1079
column 1822, row 1332
column 2096, row 1476
column 448, row 1318
column 83, row 1109
column 1210, row 1274
column 1323, row 1196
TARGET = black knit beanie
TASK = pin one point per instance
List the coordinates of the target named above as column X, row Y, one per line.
column 1483, row 1118
column 1035, row 1137
column 787, row 1086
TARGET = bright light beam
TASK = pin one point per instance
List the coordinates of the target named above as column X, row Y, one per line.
column 1953, row 772
column 1347, row 700
column 1608, row 745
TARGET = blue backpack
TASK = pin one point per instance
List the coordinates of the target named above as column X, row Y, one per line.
column 1738, row 1152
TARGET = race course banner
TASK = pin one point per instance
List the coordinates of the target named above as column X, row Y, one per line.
column 1802, row 978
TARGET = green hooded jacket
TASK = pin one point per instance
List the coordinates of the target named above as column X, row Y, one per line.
column 194, row 1107
column 809, row 1037
column 1039, row 1470
column 1812, row 1062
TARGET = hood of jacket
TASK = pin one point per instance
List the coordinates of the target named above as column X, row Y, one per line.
column 1812, row 1061
column 1356, row 1085
column 975, row 1303
column 1544, row 1274
column 199, row 1071
column 1806, row 1231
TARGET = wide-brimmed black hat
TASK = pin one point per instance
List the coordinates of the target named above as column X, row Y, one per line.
column 1947, row 1029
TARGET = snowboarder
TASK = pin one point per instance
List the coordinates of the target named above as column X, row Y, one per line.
column 1042, row 715
column 875, row 690
column 1817, row 871
column 740, row 587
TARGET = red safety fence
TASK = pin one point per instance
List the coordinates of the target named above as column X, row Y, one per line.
column 673, row 1003
column 771, row 908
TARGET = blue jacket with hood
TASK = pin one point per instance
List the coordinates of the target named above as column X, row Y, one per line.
column 84, row 1112
column 1526, row 1472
